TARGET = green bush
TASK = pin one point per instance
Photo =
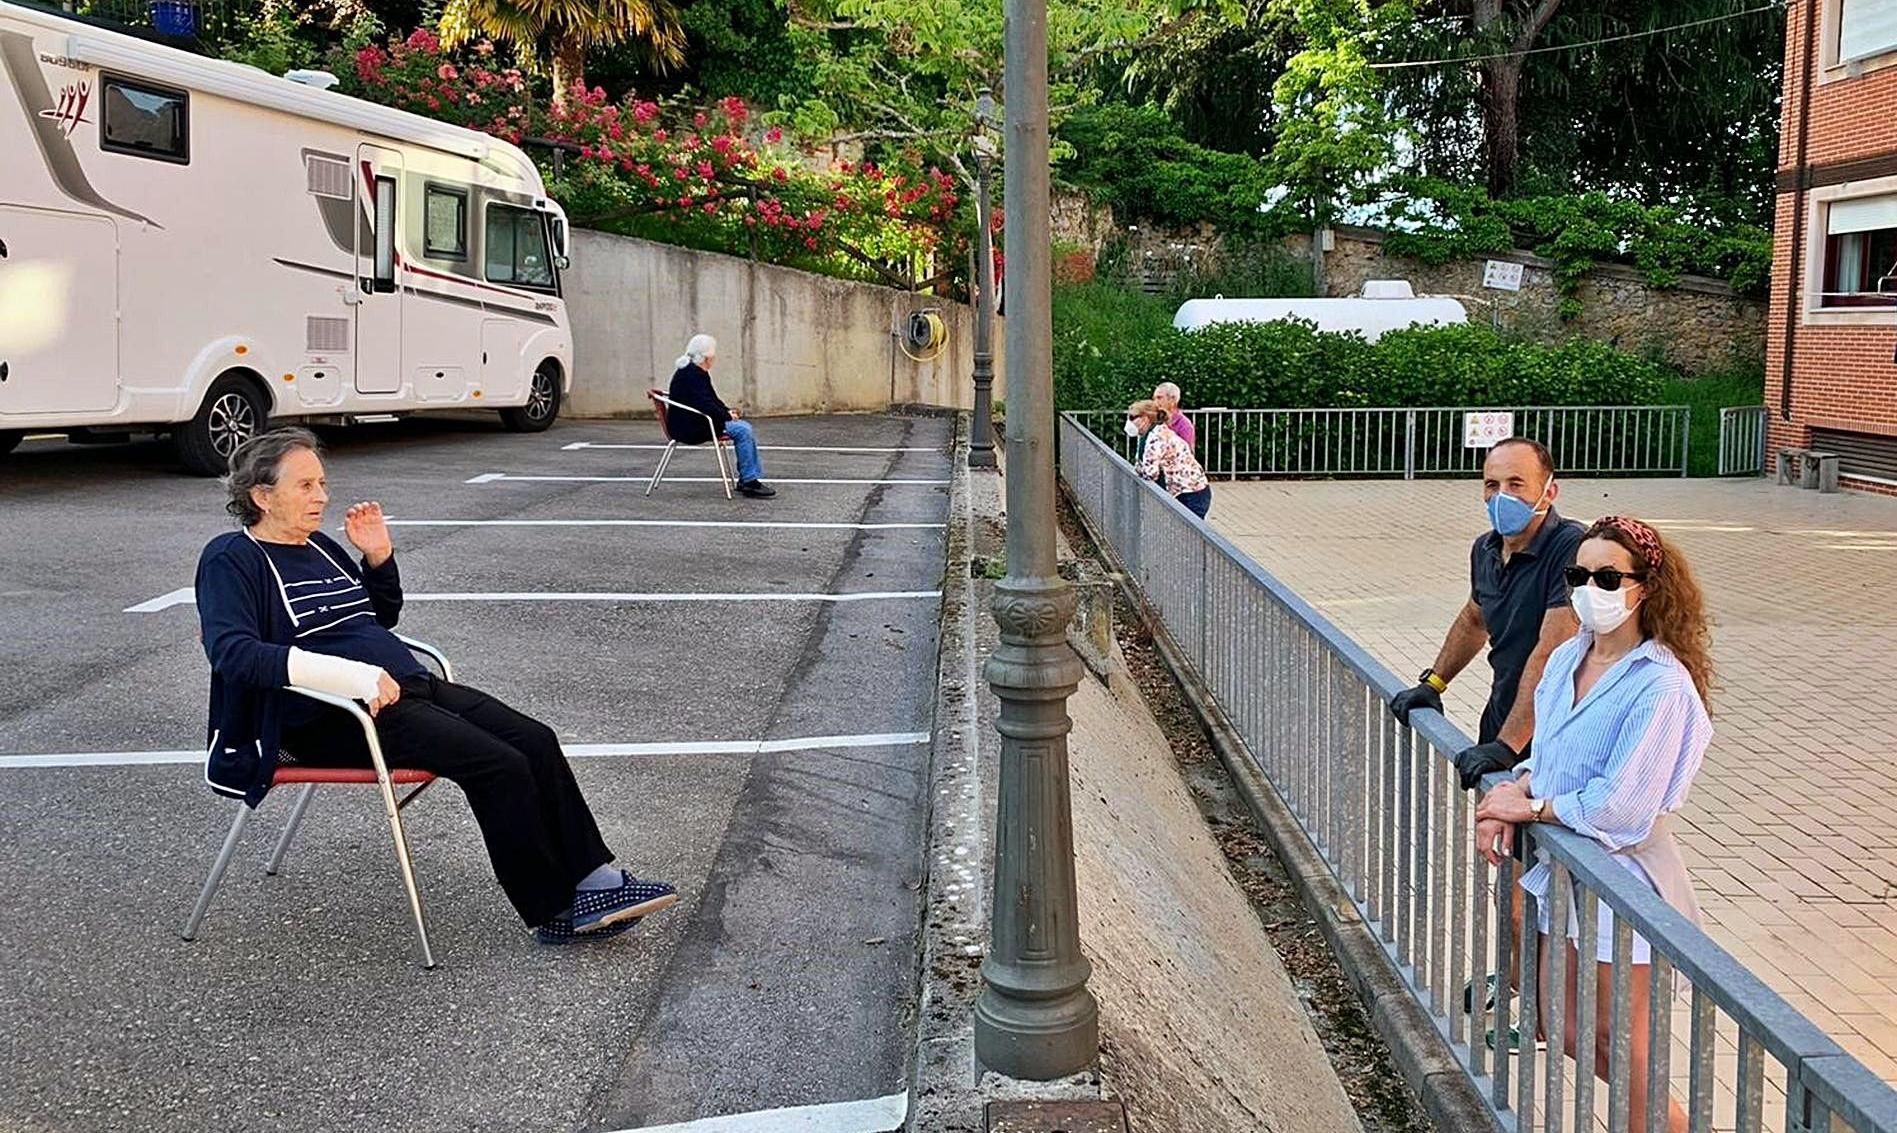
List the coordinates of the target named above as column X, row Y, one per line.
column 1135, row 159
column 1290, row 365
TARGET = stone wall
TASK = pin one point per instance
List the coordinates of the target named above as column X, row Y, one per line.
column 1697, row 326
column 788, row 341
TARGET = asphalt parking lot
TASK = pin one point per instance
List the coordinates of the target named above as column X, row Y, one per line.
column 739, row 730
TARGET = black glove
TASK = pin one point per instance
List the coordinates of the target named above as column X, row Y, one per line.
column 1410, row 699
column 1474, row 762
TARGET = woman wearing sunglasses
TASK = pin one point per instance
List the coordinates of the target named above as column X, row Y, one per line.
column 1620, row 732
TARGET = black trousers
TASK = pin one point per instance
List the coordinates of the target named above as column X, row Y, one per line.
column 540, row 836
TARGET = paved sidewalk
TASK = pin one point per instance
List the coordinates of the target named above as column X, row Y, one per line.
column 1791, row 831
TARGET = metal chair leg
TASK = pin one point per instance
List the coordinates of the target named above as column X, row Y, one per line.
column 718, row 448
column 290, row 828
column 394, row 811
column 658, row 473
column 217, row 872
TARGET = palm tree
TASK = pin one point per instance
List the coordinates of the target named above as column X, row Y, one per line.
column 567, row 28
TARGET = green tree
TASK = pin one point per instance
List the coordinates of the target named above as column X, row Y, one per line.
column 1335, row 132
column 566, row 29
column 903, row 74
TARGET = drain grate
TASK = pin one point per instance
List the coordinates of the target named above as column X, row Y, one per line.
column 1056, row 1117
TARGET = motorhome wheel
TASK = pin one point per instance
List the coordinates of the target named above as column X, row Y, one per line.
column 543, row 402
column 232, row 413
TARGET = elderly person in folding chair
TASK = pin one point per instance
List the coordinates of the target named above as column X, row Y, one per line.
column 281, row 603
column 691, row 387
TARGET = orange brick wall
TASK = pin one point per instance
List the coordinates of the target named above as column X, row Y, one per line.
column 1839, row 374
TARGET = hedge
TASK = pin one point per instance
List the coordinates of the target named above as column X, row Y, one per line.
column 1291, row 365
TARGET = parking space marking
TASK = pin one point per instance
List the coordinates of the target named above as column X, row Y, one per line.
column 871, row 1115
column 573, row 751
column 186, row 596
column 497, row 477
column 576, row 445
column 759, row 523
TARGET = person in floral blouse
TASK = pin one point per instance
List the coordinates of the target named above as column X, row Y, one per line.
column 1167, row 458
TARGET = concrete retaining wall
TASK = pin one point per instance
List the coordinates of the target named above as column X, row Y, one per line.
column 788, row 341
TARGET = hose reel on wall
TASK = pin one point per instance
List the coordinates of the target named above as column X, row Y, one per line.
column 923, row 334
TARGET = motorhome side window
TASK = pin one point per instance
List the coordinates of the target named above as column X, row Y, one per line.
column 145, row 121
column 517, row 249
column 445, row 223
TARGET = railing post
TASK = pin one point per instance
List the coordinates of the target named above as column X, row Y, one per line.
column 1409, row 444
column 1686, row 442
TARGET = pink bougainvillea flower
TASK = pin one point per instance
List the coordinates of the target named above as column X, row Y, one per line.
column 446, row 71
column 773, row 136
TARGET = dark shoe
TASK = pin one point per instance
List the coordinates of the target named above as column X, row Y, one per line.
column 595, row 909
column 756, row 489
column 559, row 930
column 1488, row 999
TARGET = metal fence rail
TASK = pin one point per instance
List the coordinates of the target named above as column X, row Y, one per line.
column 1381, row 803
column 1617, row 440
column 1742, row 441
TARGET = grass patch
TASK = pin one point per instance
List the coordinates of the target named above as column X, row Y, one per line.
column 1707, row 395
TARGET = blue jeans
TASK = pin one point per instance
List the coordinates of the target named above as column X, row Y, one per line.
column 744, row 440
column 1199, row 502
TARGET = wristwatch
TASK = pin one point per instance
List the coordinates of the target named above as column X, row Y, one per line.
column 1535, row 807
column 1434, row 680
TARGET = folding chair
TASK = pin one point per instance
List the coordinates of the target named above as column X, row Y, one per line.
column 377, row 775
column 660, row 405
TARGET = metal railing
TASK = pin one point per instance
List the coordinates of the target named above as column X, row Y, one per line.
column 1607, row 440
column 1742, row 441
column 1381, row 803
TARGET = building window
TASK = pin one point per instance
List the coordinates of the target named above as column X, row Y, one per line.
column 1866, row 28
column 516, row 247
column 146, row 121
column 445, row 223
column 1861, row 253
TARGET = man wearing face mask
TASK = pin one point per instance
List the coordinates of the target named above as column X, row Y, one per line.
column 1518, row 606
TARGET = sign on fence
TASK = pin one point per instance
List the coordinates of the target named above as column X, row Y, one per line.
column 1486, row 430
column 1502, row 275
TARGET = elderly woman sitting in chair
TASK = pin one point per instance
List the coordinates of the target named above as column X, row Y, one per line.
column 281, row 604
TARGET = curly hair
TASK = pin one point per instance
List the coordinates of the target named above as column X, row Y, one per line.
column 255, row 465
column 1148, row 408
column 1674, row 612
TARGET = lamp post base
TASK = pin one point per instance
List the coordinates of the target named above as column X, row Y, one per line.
column 1036, row 1039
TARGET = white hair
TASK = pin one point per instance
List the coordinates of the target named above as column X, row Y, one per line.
column 1166, row 389
column 701, row 347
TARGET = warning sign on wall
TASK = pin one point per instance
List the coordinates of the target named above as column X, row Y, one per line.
column 1485, row 430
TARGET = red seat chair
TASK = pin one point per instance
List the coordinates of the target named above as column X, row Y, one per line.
column 661, row 404
column 378, row 775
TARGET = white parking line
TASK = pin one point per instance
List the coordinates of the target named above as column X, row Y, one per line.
column 759, row 523
column 185, row 595
column 573, row 751
column 497, row 477
column 871, row 1115
column 576, row 445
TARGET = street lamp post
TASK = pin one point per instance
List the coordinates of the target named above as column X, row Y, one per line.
column 1035, row 1018
column 981, row 439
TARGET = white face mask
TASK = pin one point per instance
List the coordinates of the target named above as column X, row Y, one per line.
column 1132, row 429
column 1600, row 611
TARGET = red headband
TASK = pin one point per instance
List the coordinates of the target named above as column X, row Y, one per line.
column 1645, row 539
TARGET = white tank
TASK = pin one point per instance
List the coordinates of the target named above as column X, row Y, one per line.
column 1370, row 317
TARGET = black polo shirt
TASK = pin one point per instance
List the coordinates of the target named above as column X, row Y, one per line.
column 1515, row 598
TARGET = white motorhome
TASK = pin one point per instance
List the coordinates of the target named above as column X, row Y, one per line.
column 194, row 247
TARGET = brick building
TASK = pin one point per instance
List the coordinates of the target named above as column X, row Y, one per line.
column 1831, row 339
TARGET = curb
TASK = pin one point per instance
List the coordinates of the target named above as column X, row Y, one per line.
column 1421, row 1053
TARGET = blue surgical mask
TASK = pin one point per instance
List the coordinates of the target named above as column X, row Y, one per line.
column 1511, row 516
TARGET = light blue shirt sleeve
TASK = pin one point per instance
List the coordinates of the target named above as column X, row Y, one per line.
column 1618, row 806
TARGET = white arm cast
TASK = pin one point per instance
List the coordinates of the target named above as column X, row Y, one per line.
column 337, row 675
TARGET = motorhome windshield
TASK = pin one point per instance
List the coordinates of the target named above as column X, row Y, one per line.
column 517, row 250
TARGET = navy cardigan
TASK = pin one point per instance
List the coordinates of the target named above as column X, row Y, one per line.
column 247, row 634
column 691, row 385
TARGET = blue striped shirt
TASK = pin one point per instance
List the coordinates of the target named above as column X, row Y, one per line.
column 1611, row 765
